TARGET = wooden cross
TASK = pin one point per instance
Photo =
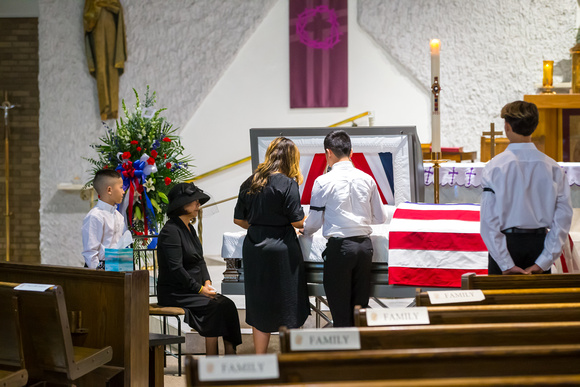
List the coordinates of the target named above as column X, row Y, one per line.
column 492, row 133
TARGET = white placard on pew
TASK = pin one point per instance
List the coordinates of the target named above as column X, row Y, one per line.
column 243, row 367
column 451, row 296
column 332, row 339
column 397, row 316
column 33, row 287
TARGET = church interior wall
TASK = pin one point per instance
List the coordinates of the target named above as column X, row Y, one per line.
column 222, row 67
column 19, row 79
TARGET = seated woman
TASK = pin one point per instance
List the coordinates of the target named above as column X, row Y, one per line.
column 183, row 276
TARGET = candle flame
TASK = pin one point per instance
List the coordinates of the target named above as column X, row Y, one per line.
column 435, row 46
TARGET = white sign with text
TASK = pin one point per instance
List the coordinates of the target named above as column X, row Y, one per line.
column 397, row 316
column 33, row 287
column 451, row 296
column 331, row 339
column 243, row 367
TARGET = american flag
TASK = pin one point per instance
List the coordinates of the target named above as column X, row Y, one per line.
column 378, row 165
column 434, row 244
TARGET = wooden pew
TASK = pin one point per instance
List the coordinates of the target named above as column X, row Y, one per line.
column 512, row 296
column 12, row 368
column 468, row 362
column 47, row 342
column 114, row 310
column 520, row 381
column 484, row 314
column 457, row 335
column 473, row 281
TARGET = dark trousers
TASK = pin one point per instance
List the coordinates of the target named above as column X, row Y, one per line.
column 524, row 249
column 347, row 277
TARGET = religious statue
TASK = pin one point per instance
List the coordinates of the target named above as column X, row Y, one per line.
column 105, row 45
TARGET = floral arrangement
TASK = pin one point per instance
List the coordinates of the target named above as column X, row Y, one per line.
column 146, row 151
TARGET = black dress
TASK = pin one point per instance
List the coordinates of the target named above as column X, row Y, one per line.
column 182, row 272
column 275, row 284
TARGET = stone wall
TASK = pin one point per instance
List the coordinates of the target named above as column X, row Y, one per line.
column 491, row 52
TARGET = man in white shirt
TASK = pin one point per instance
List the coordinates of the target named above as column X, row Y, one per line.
column 525, row 206
column 345, row 202
column 103, row 226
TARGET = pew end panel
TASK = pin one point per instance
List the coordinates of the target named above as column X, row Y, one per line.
column 48, row 349
column 113, row 305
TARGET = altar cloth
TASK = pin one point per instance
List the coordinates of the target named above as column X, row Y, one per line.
column 469, row 174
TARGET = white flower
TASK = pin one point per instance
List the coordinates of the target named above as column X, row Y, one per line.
column 149, row 185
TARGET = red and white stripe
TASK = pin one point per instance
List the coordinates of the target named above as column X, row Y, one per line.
column 434, row 244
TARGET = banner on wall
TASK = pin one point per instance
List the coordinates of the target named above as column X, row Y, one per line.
column 318, row 53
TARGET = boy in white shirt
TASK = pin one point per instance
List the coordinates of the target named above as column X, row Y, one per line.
column 525, row 206
column 104, row 225
column 345, row 202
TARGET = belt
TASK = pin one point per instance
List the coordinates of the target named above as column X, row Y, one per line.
column 515, row 230
column 352, row 238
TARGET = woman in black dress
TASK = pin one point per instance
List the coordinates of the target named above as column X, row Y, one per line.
column 269, row 207
column 183, row 277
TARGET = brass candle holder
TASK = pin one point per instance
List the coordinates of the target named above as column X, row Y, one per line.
column 548, row 77
column 436, row 160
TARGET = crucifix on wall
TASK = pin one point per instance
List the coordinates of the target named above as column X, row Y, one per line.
column 105, row 46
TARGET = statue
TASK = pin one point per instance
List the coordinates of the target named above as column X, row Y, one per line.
column 105, row 45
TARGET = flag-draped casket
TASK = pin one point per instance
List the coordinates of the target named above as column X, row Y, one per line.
column 434, row 244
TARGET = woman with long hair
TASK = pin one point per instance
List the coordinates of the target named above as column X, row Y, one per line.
column 269, row 208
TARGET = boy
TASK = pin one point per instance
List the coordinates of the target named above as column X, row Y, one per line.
column 104, row 225
column 345, row 201
column 525, row 206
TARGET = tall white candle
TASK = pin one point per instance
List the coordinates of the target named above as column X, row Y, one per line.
column 435, row 98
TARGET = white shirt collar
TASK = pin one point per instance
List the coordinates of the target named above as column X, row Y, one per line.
column 342, row 165
column 521, row 145
column 106, row 207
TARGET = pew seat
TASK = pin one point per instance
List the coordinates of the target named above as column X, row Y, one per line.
column 457, row 335
column 520, row 381
column 512, row 296
column 482, row 314
column 467, row 362
column 536, row 281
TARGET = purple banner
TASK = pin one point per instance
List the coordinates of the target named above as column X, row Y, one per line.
column 318, row 53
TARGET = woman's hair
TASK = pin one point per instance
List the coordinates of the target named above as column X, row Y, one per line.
column 522, row 117
column 282, row 156
column 178, row 212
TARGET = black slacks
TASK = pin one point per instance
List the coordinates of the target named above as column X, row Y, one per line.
column 524, row 249
column 347, row 277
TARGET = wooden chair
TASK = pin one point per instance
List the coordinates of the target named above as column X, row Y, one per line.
column 48, row 349
column 491, row 314
column 458, row 335
column 423, row 363
column 512, row 296
column 12, row 369
column 536, row 281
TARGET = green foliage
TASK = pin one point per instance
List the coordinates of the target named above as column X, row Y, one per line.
column 143, row 138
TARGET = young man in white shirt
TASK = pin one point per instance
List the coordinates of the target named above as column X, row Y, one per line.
column 345, row 202
column 525, row 206
column 103, row 226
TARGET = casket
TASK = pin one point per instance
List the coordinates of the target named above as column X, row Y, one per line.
column 391, row 155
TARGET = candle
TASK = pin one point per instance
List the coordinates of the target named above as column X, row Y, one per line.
column 548, row 73
column 435, row 99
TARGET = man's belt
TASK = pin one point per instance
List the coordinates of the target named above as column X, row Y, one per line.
column 515, row 230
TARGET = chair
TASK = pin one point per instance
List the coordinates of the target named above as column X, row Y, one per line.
column 146, row 259
column 12, row 370
column 49, row 353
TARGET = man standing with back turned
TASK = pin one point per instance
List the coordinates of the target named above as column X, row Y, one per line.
column 525, row 206
column 345, row 202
